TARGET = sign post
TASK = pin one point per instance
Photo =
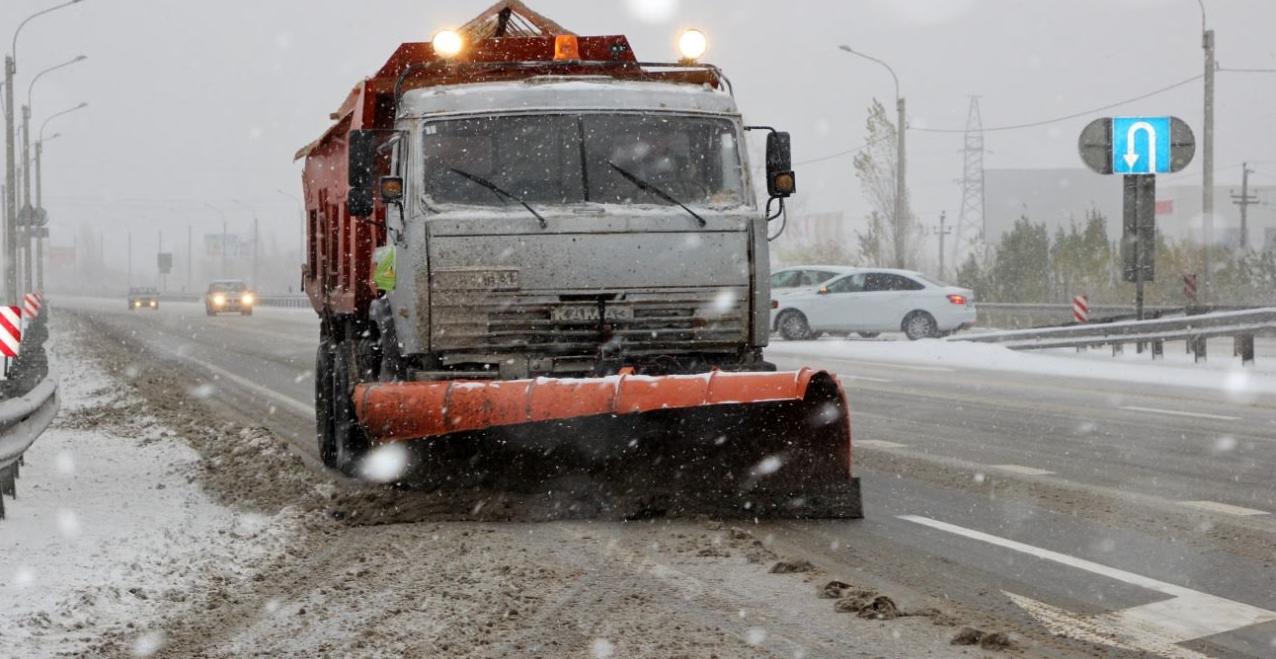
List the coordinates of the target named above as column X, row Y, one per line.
column 1138, row 148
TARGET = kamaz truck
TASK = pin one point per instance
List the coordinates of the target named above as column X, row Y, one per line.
column 533, row 252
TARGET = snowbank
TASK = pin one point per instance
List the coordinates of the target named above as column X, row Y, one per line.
column 109, row 532
column 1226, row 374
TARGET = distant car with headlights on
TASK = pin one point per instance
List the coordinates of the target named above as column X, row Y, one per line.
column 229, row 295
column 143, row 298
column 869, row 301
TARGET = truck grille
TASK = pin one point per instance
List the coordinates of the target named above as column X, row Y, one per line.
column 638, row 323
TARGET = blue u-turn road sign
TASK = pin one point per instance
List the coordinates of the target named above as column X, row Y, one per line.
column 1140, row 145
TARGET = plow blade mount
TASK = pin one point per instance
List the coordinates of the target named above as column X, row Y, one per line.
column 735, row 444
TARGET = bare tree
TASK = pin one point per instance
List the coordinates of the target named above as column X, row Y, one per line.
column 875, row 168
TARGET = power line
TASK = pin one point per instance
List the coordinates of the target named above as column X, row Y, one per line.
column 1031, row 124
column 1248, row 70
column 839, row 154
column 1075, row 115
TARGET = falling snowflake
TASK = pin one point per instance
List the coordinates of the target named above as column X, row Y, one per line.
column 385, row 464
column 1224, row 444
column 68, row 523
column 65, row 463
column 768, row 466
column 755, row 636
column 601, row 648
column 148, row 644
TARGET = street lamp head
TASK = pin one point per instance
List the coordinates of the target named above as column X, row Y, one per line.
column 85, row 104
column 81, row 58
column 846, row 48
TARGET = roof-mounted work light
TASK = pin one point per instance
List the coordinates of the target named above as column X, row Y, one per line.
column 692, row 44
column 448, row 43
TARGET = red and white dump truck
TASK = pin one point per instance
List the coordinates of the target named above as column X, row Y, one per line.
column 532, row 252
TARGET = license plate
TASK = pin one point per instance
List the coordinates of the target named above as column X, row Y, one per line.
column 588, row 313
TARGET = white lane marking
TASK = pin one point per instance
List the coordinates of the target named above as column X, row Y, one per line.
column 876, row 443
column 1216, row 507
column 907, row 367
column 1198, row 415
column 1020, row 469
column 1155, row 628
column 305, row 409
column 865, row 378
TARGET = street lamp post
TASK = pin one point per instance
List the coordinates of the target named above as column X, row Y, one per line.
column 901, row 211
column 10, row 201
column 223, row 215
column 39, row 194
column 39, row 203
column 253, row 281
column 28, row 209
column 302, row 210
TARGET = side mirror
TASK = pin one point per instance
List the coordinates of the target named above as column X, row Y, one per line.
column 362, row 152
column 780, row 181
column 391, row 189
column 824, row 290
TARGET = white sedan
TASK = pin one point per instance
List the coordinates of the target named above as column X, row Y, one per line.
column 871, row 301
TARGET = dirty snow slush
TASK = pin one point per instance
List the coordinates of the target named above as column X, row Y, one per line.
column 429, row 579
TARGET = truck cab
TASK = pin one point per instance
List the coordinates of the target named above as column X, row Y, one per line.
column 568, row 225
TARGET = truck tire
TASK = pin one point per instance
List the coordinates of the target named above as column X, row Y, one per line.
column 920, row 325
column 349, row 442
column 323, row 404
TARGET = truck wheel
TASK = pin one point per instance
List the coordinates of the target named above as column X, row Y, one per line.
column 869, row 335
column 323, row 404
column 349, row 441
column 920, row 325
column 793, row 326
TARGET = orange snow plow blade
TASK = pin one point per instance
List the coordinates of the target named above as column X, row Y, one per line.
column 759, row 444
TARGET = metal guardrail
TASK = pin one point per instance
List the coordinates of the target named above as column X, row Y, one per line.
column 22, row 420
column 1067, row 308
column 1194, row 329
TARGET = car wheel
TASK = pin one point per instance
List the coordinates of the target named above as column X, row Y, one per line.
column 793, row 326
column 920, row 325
column 246, row 312
column 869, row 335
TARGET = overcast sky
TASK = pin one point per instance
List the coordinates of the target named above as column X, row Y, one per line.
column 194, row 102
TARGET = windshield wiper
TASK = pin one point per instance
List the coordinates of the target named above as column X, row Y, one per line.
column 643, row 185
column 497, row 189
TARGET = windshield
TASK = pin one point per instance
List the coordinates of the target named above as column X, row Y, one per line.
column 564, row 159
column 227, row 286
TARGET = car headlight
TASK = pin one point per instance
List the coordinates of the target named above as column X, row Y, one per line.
column 247, row 298
column 153, row 303
column 219, row 299
column 137, row 303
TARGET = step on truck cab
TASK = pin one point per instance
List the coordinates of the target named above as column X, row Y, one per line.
column 516, row 230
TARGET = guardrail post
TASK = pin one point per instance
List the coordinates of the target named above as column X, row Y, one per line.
column 1198, row 348
column 1243, row 346
column 1158, row 350
column 1117, row 348
column 7, row 484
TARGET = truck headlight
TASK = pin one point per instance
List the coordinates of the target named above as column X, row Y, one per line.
column 219, row 299
column 247, row 298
